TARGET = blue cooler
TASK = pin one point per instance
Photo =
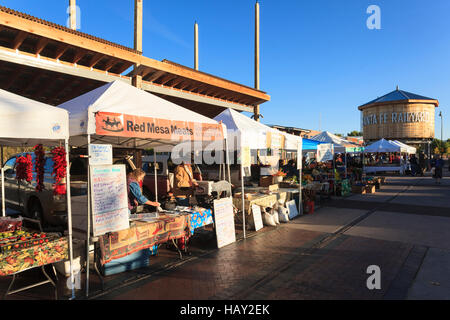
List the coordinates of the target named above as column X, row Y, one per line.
column 133, row 261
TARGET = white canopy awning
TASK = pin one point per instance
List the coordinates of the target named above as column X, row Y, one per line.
column 408, row 149
column 144, row 109
column 256, row 133
column 339, row 143
column 25, row 122
column 384, row 146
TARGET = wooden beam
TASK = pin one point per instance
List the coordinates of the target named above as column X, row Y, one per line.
column 154, row 76
column 33, row 81
column 79, row 55
column 79, row 40
column 19, row 39
column 13, row 78
column 176, row 82
column 111, row 63
column 41, row 45
column 203, row 77
column 95, row 59
column 61, row 35
column 59, row 89
column 124, row 67
column 166, row 79
column 60, row 51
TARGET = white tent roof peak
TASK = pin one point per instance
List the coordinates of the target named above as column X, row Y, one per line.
column 383, row 145
column 120, row 97
column 30, row 121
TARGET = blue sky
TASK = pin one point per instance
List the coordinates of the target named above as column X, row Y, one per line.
column 318, row 58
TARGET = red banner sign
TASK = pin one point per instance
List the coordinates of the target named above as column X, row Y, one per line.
column 124, row 125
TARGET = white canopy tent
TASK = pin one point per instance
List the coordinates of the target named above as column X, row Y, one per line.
column 409, row 149
column 126, row 117
column 387, row 146
column 246, row 132
column 340, row 145
column 120, row 98
column 382, row 146
column 24, row 123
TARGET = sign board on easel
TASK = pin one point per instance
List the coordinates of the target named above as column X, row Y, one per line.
column 109, row 199
column 257, row 218
column 292, row 209
column 224, row 222
column 100, row 154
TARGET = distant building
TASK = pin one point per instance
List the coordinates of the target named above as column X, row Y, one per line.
column 304, row 133
column 399, row 115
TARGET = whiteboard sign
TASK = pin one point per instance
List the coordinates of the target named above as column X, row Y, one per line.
column 224, row 219
column 109, row 199
column 100, row 154
column 292, row 209
column 257, row 218
column 325, row 152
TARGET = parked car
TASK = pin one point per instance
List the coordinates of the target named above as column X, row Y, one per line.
column 50, row 209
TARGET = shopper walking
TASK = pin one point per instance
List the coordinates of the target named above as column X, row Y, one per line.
column 438, row 165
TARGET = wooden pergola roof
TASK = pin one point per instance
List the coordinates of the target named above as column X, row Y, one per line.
column 51, row 63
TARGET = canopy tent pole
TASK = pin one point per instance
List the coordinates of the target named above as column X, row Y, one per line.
column 69, row 216
column 363, row 164
column 345, row 167
column 243, row 198
column 334, row 173
column 300, row 196
column 3, row 192
column 88, row 233
column 156, row 173
column 227, row 159
column 3, row 186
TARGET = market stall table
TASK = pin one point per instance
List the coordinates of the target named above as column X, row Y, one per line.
column 24, row 250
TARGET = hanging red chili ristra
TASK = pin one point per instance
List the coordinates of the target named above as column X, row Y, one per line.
column 24, row 168
column 59, row 169
column 39, row 163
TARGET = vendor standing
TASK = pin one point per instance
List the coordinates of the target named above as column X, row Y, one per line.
column 184, row 183
column 135, row 196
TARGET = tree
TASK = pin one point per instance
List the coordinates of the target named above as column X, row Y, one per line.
column 355, row 133
column 439, row 146
column 338, row 134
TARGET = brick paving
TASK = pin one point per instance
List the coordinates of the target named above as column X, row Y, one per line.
column 223, row 273
column 286, row 262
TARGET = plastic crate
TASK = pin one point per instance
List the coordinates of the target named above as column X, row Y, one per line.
column 133, row 261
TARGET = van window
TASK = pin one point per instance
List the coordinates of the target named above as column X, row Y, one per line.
column 149, row 169
column 10, row 163
column 48, row 167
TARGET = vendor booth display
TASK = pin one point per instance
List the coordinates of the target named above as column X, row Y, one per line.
column 386, row 156
column 25, row 122
column 252, row 140
column 123, row 116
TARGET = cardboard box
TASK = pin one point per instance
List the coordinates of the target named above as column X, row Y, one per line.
column 359, row 189
column 370, row 189
column 265, row 181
